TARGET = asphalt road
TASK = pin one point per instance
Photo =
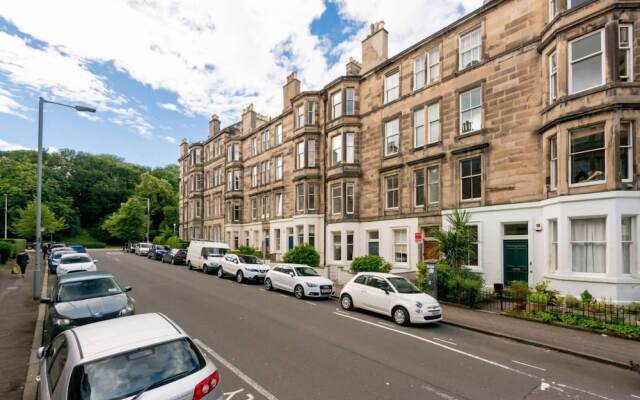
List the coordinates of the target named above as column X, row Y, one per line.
column 275, row 347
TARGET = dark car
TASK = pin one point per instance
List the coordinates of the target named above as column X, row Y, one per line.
column 175, row 257
column 85, row 297
column 78, row 248
column 157, row 251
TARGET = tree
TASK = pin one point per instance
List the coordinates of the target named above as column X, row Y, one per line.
column 163, row 199
column 303, row 253
column 456, row 242
column 129, row 223
column 25, row 226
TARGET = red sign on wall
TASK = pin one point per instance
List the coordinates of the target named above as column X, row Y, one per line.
column 418, row 236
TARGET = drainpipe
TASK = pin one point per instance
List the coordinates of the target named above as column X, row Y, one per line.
column 324, row 177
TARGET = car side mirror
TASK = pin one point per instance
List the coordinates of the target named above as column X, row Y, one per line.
column 95, row 261
column 45, row 300
column 42, row 351
column 291, row 274
column 386, row 291
column 127, row 288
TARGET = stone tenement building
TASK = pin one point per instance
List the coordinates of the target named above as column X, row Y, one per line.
column 523, row 112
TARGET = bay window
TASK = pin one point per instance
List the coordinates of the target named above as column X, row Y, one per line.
column 300, row 197
column 349, row 194
column 575, row 3
column 587, row 156
column 553, row 163
column 625, row 52
column 433, row 113
column 351, row 101
column 552, row 9
column 588, row 245
column 300, row 155
column 311, row 153
column 312, row 196
column 300, row 116
column 336, row 105
column 311, row 112
column 336, row 150
column 627, row 244
column 350, row 147
column 586, row 62
column 336, row 199
column 254, row 146
column 254, row 176
column 391, row 87
column 470, row 48
column 349, row 246
column 553, row 245
column 626, row 151
column 254, row 209
column 400, row 246
column 392, row 137
column 279, row 204
column 553, row 77
column 470, row 110
column 337, row 246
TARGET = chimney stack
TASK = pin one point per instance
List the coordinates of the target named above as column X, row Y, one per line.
column 353, row 67
column 375, row 46
column 248, row 119
column 184, row 147
column 290, row 90
column 214, row 125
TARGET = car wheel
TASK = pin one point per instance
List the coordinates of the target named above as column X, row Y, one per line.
column 298, row 291
column 239, row 277
column 267, row 284
column 400, row 316
column 346, row 302
column 189, row 265
column 173, row 261
column 205, row 269
column 220, row 273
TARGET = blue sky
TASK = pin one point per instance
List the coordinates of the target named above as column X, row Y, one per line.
column 156, row 71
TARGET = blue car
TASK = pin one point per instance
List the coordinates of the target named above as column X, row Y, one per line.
column 78, row 248
column 157, row 252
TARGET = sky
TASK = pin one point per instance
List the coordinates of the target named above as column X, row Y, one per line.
column 156, row 70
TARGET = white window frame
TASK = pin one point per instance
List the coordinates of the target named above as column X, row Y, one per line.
column 471, row 176
column 553, row 162
column 629, row 150
column 433, row 183
column 254, row 176
column 573, row 242
column 336, row 199
column 300, row 116
column 420, row 72
column 433, row 65
column 471, row 109
column 300, row 199
column 552, row 9
column 553, row 245
column 553, row 76
column 312, row 196
column 336, row 104
column 629, row 52
column 336, row 152
column 350, row 147
column 311, row 152
column 311, row 112
column 349, row 187
column 387, row 190
column 278, row 134
column 279, row 204
column 601, row 53
column 419, row 128
column 254, row 146
column 336, row 235
column 254, row 208
column 373, row 240
column 419, row 186
column 351, row 101
column 300, row 157
column 629, row 244
column 432, row 123
column 279, row 167
column 477, row 31
column 391, row 87
column 404, row 244
column 389, row 136
column 603, row 149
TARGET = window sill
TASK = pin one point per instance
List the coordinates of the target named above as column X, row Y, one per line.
column 391, row 156
column 463, row 136
column 576, row 185
column 390, row 102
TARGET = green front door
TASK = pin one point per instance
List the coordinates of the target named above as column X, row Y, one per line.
column 516, row 260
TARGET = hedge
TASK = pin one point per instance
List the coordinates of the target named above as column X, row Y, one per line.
column 369, row 264
column 303, row 253
column 6, row 248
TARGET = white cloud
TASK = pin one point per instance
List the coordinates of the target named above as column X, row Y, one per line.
column 8, row 105
column 170, row 139
column 52, row 150
column 6, row 146
column 168, row 106
column 216, row 56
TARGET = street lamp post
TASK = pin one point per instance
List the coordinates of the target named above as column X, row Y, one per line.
column 36, row 274
column 6, row 210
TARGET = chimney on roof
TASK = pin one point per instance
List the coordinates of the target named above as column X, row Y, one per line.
column 248, row 119
column 375, row 47
column 214, row 125
column 353, row 67
column 184, row 147
column 290, row 90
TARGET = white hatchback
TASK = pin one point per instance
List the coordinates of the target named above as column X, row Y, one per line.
column 391, row 295
column 302, row 280
column 145, row 356
column 75, row 262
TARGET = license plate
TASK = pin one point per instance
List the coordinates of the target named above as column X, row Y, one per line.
column 325, row 291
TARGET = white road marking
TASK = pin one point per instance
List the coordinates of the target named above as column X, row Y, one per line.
column 12, row 288
column 528, row 365
column 637, row 397
column 310, row 302
column 268, row 395
column 386, row 324
column 445, row 341
column 470, row 355
column 283, row 295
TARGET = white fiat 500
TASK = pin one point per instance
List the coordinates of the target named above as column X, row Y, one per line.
column 302, row 280
column 390, row 295
column 146, row 357
column 75, row 262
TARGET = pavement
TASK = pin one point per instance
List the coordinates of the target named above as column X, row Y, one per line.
column 269, row 345
column 18, row 314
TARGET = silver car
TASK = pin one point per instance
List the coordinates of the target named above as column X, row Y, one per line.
column 145, row 356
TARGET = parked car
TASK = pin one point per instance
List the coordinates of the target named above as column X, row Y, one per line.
column 131, row 247
column 157, row 251
column 74, row 263
column 54, row 260
column 83, row 298
column 175, row 257
column 206, row 255
column 142, row 249
column 301, row 280
column 31, row 245
column 78, row 248
column 242, row 267
column 144, row 356
column 53, row 246
column 391, row 295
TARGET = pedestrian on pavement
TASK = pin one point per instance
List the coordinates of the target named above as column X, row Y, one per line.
column 45, row 252
column 22, row 259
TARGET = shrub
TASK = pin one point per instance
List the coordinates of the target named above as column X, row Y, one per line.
column 539, row 298
column 6, row 249
column 369, row 264
column 542, row 287
column 462, row 286
column 571, row 301
column 519, row 289
column 421, row 278
column 247, row 250
column 160, row 239
column 586, row 296
column 303, row 253
column 173, row 242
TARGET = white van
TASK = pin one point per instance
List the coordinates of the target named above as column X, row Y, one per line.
column 205, row 255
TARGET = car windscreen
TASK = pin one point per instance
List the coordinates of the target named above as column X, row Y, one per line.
column 306, row 271
column 59, row 254
column 403, row 286
column 249, row 260
column 215, row 251
column 87, row 289
column 79, row 259
column 126, row 374
column 145, row 245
